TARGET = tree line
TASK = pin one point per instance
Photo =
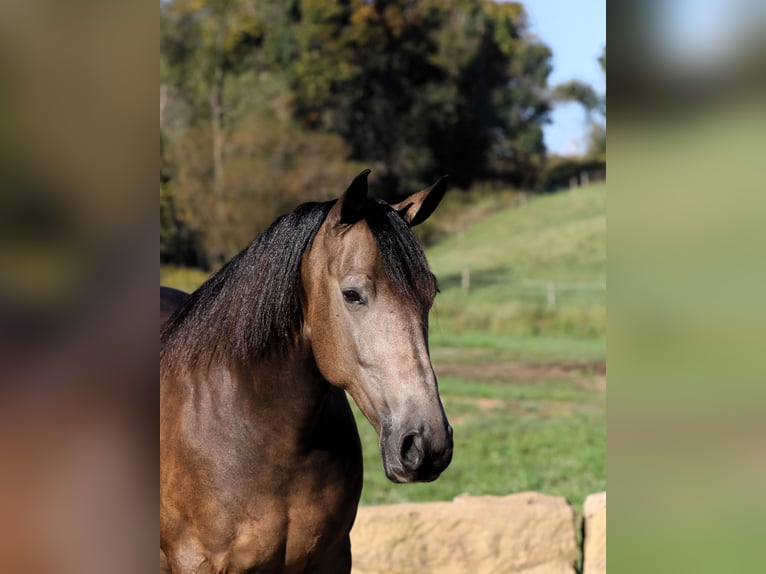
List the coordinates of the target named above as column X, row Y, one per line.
column 266, row 103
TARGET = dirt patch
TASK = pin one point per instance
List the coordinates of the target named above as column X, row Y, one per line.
column 482, row 405
column 588, row 375
column 517, row 408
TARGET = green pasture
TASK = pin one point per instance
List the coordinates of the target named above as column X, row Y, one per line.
column 521, row 379
column 183, row 278
column 557, row 236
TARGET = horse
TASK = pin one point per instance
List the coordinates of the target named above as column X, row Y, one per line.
column 170, row 300
column 260, row 456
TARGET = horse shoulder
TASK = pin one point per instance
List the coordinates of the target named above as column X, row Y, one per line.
column 297, row 514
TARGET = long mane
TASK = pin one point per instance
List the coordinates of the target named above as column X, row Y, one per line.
column 252, row 307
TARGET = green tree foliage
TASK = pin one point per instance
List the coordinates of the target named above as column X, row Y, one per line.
column 265, row 103
column 580, row 92
column 424, row 87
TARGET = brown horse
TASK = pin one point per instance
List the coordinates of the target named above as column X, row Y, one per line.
column 260, row 459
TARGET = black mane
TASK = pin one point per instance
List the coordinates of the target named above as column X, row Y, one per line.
column 251, row 308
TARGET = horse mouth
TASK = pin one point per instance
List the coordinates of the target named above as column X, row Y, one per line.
column 414, row 461
column 400, row 477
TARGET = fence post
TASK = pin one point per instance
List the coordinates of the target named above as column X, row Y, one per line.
column 465, row 278
column 551, row 288
column 465, row 272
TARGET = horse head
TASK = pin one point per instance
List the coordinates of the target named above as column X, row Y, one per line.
column 368, row 292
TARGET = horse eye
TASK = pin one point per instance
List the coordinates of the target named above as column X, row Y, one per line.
column 352, row 296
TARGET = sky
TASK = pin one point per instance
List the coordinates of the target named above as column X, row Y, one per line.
column 575, row 30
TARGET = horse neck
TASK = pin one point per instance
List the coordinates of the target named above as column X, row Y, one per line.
column 285, row 394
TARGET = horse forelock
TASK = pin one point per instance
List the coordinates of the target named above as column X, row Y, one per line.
column 403, row 258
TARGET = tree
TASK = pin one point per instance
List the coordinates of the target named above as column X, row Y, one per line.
column 594, row 106
column 422, row 88
column 580, row 92
column 264, row 104
column 203, row 42
column 519, row 145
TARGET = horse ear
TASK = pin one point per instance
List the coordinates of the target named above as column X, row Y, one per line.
column 419, row 206
column 352, row 202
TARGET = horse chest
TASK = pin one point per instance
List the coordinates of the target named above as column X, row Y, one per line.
column 306, row 531
column 265, row 502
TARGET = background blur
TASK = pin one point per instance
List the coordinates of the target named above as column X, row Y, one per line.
column 78, row 340
column 687, row 454
column 264, row 105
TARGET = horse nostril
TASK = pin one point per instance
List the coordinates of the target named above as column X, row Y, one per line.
column 411, row 451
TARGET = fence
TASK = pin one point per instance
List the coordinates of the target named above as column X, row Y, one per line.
column 586, row 177
column 549, row 289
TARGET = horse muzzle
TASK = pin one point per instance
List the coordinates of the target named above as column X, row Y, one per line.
column 416, row 455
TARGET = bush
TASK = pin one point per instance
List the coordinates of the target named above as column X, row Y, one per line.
column 561, row 170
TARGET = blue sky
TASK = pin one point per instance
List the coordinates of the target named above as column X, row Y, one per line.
column 575, row 30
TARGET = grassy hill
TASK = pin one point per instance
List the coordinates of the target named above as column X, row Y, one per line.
column 558, row 236
column 536, row 276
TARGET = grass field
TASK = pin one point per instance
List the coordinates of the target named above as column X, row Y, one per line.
column 512, row 258
column 183, row 278
column 523, row 383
